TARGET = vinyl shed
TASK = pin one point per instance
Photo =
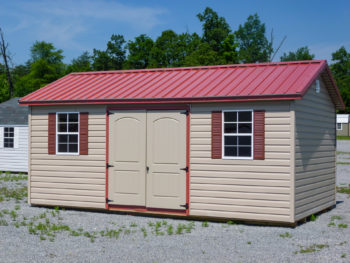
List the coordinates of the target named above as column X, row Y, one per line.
column 13, row 136
column 248, row 142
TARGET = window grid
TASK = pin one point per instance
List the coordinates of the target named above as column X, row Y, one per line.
column 67, row 135
column 9, row 135
column 234, row 137
column 339, row 126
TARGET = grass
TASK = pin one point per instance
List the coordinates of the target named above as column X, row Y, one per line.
column 344, row 190
column 344, row 163
column 312, row 248
column 339, row 152
column 13, row 178
column 205, row 224
column 342, row 225
column 343, row 255
column 343, row 137
column 17, row 193
column 286, row 235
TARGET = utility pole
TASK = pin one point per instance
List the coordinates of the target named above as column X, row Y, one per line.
column 6, row 58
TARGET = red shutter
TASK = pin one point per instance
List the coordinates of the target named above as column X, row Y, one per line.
column 216, row 134
column 84, row 133
column 259, row 134
column 52, row 133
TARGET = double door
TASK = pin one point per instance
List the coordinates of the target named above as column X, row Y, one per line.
column 147, row 159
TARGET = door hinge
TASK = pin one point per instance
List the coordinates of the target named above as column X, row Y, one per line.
column 108, row 200
column 185, row 206
column 184, row 169
column 109, row 165
column 185, row 112
column 108, row 113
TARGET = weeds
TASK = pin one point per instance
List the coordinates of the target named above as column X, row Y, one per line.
column 311, row 249
column 342, row 225
column 286, row 235
column 205, row 224
column 313, row 218
column 344, row 190
column 13, row 178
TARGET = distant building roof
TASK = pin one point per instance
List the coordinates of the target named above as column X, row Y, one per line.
column 11, row 113
column 342, row 118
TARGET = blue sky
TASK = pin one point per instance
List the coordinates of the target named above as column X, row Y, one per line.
column 81, row 25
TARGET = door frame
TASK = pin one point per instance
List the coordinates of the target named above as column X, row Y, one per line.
column 185, row 107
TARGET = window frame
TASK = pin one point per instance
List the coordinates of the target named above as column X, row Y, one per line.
column 68, row 133
column 341, row 126
column 237, row 134
column 4, row 137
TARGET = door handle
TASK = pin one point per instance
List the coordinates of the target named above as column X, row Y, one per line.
column 147, row 169
column 184, row 169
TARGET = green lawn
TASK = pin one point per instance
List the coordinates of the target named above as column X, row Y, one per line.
column 343, row 137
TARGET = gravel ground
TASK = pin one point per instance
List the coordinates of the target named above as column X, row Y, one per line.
column 215, row 242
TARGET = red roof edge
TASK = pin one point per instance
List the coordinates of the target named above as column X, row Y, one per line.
column 325, row 68
column 163, row 100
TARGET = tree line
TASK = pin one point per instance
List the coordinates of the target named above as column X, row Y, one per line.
column 217, row 44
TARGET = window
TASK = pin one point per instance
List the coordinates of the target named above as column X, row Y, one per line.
column 237, row 134
column 9, row 137
column 339, row 126
column 67, row 132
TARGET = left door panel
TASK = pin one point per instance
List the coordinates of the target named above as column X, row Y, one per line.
column 127, row 155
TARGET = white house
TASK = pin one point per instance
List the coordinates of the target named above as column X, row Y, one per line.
column 13, row 136
column 343, row 125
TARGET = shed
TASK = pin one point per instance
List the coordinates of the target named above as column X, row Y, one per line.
column 247, row 142
column 13, row 136
column 343, row 127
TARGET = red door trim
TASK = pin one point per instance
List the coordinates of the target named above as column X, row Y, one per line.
column 151, row 107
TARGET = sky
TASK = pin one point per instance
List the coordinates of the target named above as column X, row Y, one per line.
column 81, row 25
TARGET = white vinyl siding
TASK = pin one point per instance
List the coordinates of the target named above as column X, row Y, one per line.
column 15, row 159
column 315, row 153
column 242, row 189
column 68, row 180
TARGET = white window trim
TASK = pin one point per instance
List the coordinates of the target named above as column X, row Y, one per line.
column 223, row 137
column 341, row 127
column 58, row 133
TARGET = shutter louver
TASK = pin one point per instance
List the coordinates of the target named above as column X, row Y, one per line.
column 84, row 133
column 52, row 134
column 216, row 135
column 259, row 135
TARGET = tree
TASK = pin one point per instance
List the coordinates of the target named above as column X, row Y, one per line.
column 113, row 57
column 45, row 66
column 80, row 64
column 341, row 72
column 139, row 52
column 302, row 53
column 253, row 44
column 215, row 28
column 6, row 57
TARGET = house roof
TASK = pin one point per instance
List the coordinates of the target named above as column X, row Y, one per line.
column 11, row 113
column 242, row 82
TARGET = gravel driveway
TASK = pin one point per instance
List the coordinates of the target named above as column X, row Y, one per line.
column 32, row 234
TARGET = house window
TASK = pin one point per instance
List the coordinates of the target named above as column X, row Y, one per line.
column 9, row 137
column 339, row 126
column 68, row 133
column 237, row 132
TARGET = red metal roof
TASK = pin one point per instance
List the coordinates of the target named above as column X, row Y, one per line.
column 261, row 81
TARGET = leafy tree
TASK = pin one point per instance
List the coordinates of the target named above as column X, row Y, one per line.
column 113, row 57
column 42, row 50
column 341, row 72
column 167, row 51
column 204, row 55
column 215, row 28
column 253, row 44
column 80, row 64
column 139, row 52
column 302, row 53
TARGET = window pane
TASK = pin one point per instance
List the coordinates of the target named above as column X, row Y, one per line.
column 73, row 117
column 244, row 128
column 230, row 140
column 6, row 134
column 62, row 147
column 62, row 117
column 62, row 138
column 245, row 140
column 62, row 127
column 11, row 130
column 73, row 138
column 245, row 116
column 73, row 148
column 73, row 128
column 230, row 116
column 230, row 151
column 230, row 128
column 10, row 145
column 244, row 151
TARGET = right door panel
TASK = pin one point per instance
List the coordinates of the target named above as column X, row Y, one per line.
column 166, row 158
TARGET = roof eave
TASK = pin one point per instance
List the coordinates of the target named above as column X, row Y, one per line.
column 165, row 100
